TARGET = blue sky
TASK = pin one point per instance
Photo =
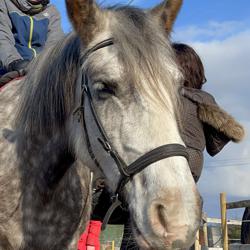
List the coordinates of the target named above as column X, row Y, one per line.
column 219, row 30
column 193, row 11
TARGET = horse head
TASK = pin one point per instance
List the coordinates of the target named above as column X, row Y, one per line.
column 128, row 80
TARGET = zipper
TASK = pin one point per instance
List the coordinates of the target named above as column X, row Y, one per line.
column 31, row 35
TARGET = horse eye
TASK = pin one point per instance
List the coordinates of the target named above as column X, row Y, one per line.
column 103, row 90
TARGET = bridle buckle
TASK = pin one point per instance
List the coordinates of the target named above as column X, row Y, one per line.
column 107, row 147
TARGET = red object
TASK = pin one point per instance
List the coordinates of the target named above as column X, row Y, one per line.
column 91, row 236
column 83, row 239
column 17, row 78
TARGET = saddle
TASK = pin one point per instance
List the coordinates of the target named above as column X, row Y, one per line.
column 8, row 77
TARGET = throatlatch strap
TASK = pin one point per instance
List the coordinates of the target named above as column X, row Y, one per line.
column 116, row 203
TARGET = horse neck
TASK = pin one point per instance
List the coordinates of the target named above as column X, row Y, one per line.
column 45, row 160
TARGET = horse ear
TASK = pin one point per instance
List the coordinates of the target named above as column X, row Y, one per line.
column 84, row 16
column 167, row 11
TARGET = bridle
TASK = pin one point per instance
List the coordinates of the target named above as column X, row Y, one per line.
column 126, row 171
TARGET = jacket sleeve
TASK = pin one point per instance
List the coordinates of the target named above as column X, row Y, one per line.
column 55, row 31
column 8, row 51
column 219, row 126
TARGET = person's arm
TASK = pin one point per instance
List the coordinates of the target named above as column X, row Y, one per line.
column 55, row 31
column 221, row 121
column 210, row 113
column 219, row 127
column 8, row 51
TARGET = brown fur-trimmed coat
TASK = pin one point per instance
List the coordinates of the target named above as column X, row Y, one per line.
column 205, row 125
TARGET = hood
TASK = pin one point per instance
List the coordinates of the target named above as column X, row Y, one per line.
column 220, row 120
column 29, row 8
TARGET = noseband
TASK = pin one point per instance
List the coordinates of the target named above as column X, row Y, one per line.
column 126, row 171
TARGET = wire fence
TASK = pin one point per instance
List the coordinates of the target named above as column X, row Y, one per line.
column 215, row 238
column 111, row 238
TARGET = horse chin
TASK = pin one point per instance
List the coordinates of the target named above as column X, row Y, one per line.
column 147, row 244
column 143, row 242
column 140, row 239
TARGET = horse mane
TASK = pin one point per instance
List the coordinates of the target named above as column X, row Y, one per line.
column 49, row 88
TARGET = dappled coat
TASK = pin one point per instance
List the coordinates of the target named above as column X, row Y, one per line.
column 205, row 125
column 24, row 32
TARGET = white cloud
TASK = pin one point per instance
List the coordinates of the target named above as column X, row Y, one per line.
column 227, row 68
column 225, row 52
column 232, row 180
column 212, row 30
column 229, row 172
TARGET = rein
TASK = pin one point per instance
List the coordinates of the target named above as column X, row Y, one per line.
column 126, row 171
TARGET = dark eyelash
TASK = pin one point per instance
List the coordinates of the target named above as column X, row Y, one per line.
column 105, row 90
column 108, row 90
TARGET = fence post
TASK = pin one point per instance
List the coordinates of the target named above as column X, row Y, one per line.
column 197, row 241
column 204, row 229
column 223, row 206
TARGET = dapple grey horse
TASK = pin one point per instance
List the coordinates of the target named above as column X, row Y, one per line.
column 47, row 129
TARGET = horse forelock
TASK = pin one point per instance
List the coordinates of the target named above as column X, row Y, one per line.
column 146, row 53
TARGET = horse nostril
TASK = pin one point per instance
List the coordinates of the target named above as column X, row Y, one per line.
column 168, row 224
column 161, row 216
column 158, row 219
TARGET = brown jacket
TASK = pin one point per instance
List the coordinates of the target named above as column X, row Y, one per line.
column 205, row 125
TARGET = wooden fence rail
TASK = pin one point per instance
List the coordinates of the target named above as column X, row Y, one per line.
column 228, row 205
column 238, row 204
column 229, row 222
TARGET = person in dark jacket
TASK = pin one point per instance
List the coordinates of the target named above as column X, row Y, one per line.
column 204, row 124
column 245, row 227
column 26, row 28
